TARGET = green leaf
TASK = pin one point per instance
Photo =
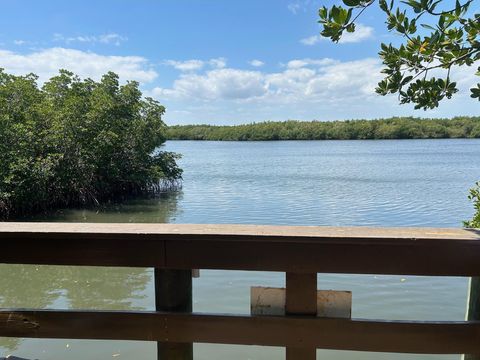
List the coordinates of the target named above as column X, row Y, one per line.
column 351, row 2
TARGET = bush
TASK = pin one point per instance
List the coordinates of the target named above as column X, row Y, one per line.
column 475, row 198
column 76, row 142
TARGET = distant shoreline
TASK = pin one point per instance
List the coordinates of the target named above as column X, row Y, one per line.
column 381, row 129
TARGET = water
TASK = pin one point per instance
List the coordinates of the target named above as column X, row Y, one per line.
column 340, row 183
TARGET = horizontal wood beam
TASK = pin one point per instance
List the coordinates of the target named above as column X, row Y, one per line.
column 227, row 232
column 326, row 333
column 296, row 249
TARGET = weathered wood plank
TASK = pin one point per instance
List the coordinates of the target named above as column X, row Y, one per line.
column 71, row 250
column 301, row 299
column 327, row 333
column 435, row 259
column 410, row 251
column 247, row 232
column 173, row 293
column 473, row 308
column 301, row 294
column 271, row 301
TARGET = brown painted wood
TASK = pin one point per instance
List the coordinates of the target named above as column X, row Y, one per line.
column 435, row 259
column 410, row 251
column 301, row 299
column 473, row 308
column 345, row 234
column 327, row 333
column 173, row 293
column 294, row 353
column 301, row 295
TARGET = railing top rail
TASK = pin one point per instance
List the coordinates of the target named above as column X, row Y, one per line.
column 226, row 232
column 308, row 249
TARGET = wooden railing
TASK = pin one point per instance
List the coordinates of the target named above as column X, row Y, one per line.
column 301, row 252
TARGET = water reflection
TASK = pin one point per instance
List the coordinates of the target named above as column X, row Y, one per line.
column 163, row 209
column 64, row 287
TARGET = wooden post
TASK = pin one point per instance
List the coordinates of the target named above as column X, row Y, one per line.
column 473, row 308
column 173, row 292
column 301, row 299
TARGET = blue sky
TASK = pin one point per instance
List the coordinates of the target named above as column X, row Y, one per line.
column 214, row 61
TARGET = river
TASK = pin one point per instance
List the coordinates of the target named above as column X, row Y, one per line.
column 336, row 183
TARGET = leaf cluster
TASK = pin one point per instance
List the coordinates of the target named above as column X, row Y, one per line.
column 438, row 36
column 74, row 142
column 475, row 198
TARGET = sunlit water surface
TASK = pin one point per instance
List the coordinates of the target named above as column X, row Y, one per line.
column 338, row 183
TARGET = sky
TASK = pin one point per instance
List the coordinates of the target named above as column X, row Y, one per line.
column 215, row 61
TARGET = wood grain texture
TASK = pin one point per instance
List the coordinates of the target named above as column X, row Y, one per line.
column 342, row 334
column 301, row 299
column 225, row 231
column 173, row 293
column 409, row 251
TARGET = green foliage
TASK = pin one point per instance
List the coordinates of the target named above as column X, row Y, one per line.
column 435, row 41
column 79, row 142
column 475, row 198
column 394, row 128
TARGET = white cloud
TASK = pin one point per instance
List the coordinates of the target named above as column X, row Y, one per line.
column 195, row 64
column 305, row 80
column 109, row 38
column 311, row 40
column 293, row 8
column 303, row 5
column 216, row 84
column 19, row 42
column 298, row 63
column 218, row 63
column 47, row 62
column 362, row 32
column 321, row 88
column 256, row 63
column 189, row 65
column 307, row 88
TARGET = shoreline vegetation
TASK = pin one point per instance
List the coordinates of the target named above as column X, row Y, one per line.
column 74, row 142
column 380, row 129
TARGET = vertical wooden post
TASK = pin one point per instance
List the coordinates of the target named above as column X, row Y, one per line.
column 301, row 299
column 473, row 308
column 173, row 292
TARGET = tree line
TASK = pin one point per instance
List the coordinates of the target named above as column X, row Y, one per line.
column 392, row 128
column 78, row 142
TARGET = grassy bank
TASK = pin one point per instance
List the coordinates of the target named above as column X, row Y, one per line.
column 392, row 128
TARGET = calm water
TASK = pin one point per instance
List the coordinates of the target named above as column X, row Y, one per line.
column 374, row 183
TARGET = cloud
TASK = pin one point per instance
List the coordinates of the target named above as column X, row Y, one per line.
column 309, row 88
column 19, row 42
column 361, row 33
column 293, row 8
column 109, row 38
column 311, row 40
column 47, row 62
column 218, row 63
column 256, row 63
column 302, row 79
column 303, row 6
column 189, row 65
column 195, row 64
column 216, row 84
column 298, row 63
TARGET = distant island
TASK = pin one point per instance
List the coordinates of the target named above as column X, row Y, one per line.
column 392, row 128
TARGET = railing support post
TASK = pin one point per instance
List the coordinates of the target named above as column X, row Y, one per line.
column 473, row 308
column 173, row 292
column 301, row 299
